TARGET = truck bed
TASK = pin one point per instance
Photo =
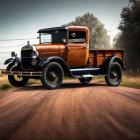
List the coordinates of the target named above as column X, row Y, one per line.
column 98, row 57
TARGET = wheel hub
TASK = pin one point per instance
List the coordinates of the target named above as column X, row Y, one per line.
column 52, row 76
column 114, row 74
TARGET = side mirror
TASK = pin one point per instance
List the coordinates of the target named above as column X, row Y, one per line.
column 38, row 37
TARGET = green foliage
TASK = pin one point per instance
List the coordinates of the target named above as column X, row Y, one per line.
column 98, row 34
column 129, row 37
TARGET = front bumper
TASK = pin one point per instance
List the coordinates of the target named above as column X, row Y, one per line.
column 22, row 73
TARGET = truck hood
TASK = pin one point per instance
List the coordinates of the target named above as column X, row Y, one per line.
column 45, row 50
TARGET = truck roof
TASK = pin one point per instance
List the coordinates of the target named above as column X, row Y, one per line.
column 61, row 28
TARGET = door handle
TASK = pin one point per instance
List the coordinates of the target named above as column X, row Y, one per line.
column 84, row 46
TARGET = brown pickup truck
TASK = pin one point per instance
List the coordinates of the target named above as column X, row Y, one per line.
column 64, row 51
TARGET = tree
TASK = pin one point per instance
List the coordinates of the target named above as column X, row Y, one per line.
column 129, row 37
column 98, row 34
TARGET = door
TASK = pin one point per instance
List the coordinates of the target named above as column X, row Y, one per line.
column 77, row 49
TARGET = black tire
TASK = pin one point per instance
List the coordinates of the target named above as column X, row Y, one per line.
column 114, row 74
column 52, row 75
column 13, row 78
column 85, row 80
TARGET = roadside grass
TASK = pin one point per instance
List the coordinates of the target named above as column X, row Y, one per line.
column 5, row 85
column 127, row 81
column 130, row 81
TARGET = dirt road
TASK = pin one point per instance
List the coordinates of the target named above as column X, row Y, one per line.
column 73, row 112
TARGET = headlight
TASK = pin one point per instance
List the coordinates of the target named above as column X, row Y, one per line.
column 33, row 62
column 34, row 54
column 13, row 54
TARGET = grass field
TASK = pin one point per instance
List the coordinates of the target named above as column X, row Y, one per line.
column 128, row 81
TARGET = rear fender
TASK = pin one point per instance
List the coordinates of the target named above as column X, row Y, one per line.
column 112, row 59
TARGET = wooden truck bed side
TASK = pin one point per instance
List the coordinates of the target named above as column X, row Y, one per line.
column 98, row 57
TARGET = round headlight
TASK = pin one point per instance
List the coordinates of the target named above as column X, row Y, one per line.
column 13, row 54
column 33, row 62
column 34, row 54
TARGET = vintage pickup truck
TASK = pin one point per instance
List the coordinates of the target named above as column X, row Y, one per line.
column 64, row 51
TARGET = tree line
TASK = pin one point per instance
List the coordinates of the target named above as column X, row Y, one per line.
column 129, row 36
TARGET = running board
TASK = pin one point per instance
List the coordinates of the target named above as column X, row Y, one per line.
column 87, row 76
column 83, row 69
column 85, row 72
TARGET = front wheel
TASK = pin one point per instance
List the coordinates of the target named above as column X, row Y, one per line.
column 52, row 75
column 114, row 75
column 85, row 80
column 16, row 81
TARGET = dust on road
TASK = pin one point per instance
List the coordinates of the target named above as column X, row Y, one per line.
column 73, row 112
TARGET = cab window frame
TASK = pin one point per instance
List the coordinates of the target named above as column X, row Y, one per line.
column 83, row 36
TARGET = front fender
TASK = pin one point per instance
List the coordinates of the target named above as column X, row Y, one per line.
column 12, row 60
column 46, row 60
column 9, row 60
column 57, row 59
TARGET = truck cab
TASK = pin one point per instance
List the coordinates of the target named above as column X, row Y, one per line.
column 69, row 43
column 64, row 51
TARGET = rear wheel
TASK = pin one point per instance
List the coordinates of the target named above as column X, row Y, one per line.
column 52, row 75
column 114, row 75
column 16, row 81
column 85, row 80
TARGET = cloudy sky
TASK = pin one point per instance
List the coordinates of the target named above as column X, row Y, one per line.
column 21, row 19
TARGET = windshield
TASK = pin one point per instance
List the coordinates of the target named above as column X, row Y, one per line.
column 57, row 36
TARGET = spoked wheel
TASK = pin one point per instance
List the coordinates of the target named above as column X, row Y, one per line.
column 15, row 80
column 114, row 75
column 85, row 80
column 52, row 75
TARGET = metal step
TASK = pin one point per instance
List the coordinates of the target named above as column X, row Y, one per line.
column 84, row 69
column 87, row 76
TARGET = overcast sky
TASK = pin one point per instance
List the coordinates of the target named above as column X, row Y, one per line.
column 23, row 18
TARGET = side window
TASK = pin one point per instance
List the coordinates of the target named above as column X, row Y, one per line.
column 77, row 37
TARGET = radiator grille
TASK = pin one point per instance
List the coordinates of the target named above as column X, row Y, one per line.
column 26, row 53
column 26, row 60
